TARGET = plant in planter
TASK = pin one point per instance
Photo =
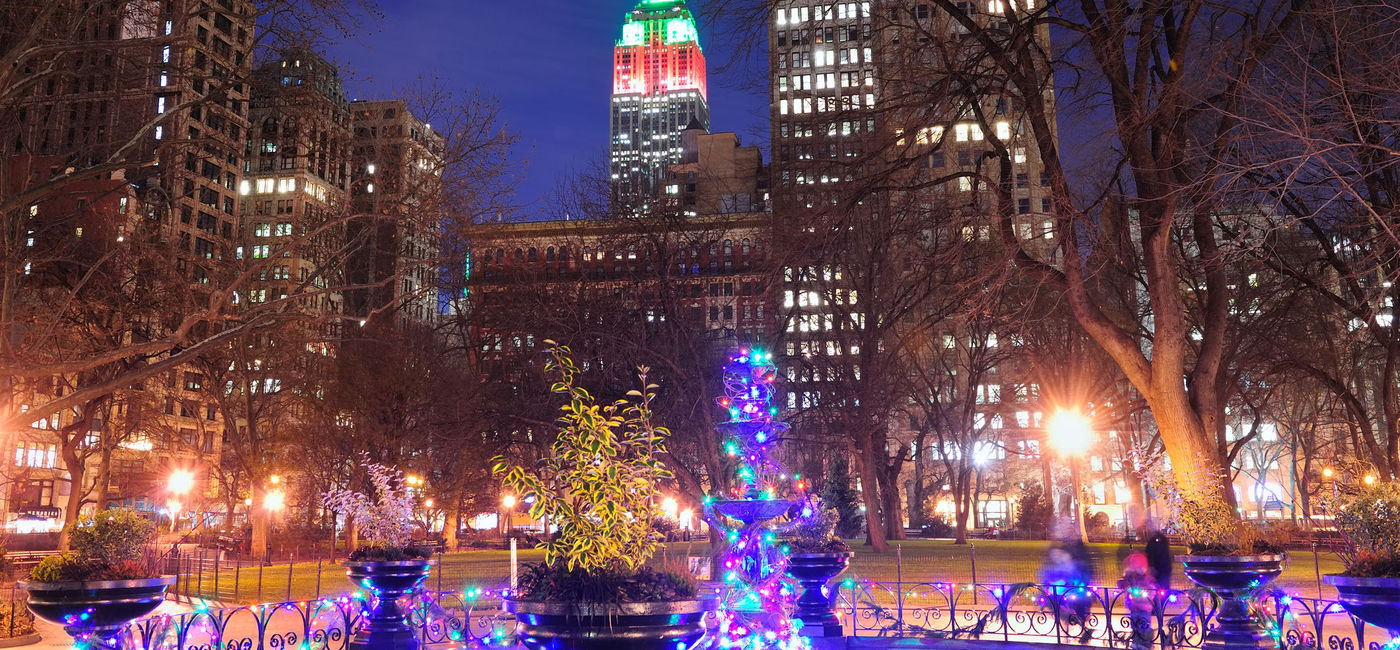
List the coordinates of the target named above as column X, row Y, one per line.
column 1229, row 557
column 815, row 556
column 386, row 565
column 599, row 485
column 1369, row 525
column 108, row 579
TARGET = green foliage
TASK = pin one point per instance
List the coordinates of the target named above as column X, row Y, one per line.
column 817, row 533
column 1034, row 512
column 1097, row 523
column 68, row 567
column 111, row 536
column 377, row 553
column 1369, row 523
column 599, row 480
column 541, row 582
column 937, row 525
column 55, row 567
column 838, row 491
column 1206, row 522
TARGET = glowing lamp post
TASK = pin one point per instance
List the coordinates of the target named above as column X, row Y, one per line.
column 179, row 484
column 508, row 505
column 1071, row 434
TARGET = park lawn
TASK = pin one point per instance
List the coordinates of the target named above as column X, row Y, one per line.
column 915, row 560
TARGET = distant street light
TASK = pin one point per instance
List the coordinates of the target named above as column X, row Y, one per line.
column 181, row 481
column 274, row 479
column 428, row 503
column 1370, row 479
column 274, row 501
column 1072, row 435
column 670, row 508
column 179, row 484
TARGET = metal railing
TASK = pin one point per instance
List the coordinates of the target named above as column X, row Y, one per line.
column 1097, row 616
column 453, row 618
column 1023, row 612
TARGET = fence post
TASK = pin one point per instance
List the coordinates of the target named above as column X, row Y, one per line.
column 899, row 586
column 217, row 554
column 972, row 551
column 1317, row 570
column 237, row 573
column 441, row 557
column 318, row 578
column 199, row 577
column 291, row 561
column 260, row 574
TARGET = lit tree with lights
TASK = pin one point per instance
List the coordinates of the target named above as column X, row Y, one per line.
column 759, row 602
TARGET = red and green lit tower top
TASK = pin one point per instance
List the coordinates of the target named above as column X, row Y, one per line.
column 659, row 51
column 659, row 91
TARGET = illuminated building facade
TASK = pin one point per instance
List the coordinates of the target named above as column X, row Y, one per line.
column 659, row 91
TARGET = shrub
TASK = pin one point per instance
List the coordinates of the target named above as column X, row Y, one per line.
column 1369, row 524
column 815, row 530
column 1034, row 512
column 938, row 526
column 541, row 582
column 66, row 567
column 598, row 479
column 1097, row 523
column 384, row 519
column 111, row 536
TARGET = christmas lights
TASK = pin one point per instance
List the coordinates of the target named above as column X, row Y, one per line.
column 757, row 609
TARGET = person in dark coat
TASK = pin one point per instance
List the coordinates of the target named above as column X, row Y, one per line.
column 1159, row 559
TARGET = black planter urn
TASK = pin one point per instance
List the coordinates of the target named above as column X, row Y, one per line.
column 813, row 571
column 385, row 627
column 673, row 625
column 1232, row 578
column 1374, row 600
column 93, row 612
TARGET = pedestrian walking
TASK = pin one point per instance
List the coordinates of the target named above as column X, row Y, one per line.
column 1140, row 595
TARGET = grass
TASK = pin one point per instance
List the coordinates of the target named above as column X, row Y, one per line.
column 916, row 560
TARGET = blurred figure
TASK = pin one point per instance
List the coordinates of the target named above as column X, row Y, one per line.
column 1066, row 575
column 1140, row 589
column 1159, row 559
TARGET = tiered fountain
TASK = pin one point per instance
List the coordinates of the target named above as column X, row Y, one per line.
column 759, row 599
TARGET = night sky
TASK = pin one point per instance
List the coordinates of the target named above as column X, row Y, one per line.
column 549, row 62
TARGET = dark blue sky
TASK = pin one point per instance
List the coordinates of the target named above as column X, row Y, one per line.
column 549, row 62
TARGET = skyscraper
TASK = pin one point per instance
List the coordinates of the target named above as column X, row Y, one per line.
column 658, row 92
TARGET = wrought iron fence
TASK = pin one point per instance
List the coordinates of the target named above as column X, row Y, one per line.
column 470, row 618
column 1023, row 612
column 1097, row 616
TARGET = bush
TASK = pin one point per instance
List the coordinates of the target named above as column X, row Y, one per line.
column 69, row 567
column 1097, row 523
column 1369, row 523
column 937, row 526
column 1034, row 512
column 815, row 531
column 539, row 582
column 111, row 536
column 377, row 553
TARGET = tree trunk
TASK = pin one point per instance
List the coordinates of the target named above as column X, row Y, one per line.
column 959, row 481
column 258, row 516
column 870, row 478
column 452, row 520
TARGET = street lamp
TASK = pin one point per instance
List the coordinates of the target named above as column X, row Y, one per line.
column 274, row 501
column 508, row 503
column 1071, row 434
column 1370, row 479
column 179, row 484
column 670, row 508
